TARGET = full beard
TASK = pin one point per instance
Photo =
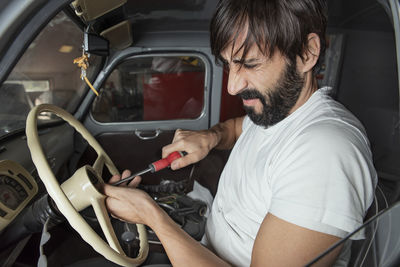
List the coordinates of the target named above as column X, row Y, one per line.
column 278, row 101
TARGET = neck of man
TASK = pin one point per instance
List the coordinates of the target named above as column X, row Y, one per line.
column 310, row 86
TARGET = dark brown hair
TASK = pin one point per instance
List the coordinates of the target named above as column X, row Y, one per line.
column 272, row 24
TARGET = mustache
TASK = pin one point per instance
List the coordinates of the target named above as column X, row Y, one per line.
column 250, row 94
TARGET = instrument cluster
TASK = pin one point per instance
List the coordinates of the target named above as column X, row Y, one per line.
column 17, row 188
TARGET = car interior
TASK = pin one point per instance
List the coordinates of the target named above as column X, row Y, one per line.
column 144, row 69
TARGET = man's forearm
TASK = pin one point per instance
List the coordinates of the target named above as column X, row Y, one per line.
column 227, row 132
column 182, row 250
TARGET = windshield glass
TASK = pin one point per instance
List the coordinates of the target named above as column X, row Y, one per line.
column 45, row 74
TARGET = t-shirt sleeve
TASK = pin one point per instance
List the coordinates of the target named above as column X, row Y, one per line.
column 324, row 180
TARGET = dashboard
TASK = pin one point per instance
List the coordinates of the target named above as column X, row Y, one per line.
column 17, row 188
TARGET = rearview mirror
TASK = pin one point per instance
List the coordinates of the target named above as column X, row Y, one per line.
column 95, row 44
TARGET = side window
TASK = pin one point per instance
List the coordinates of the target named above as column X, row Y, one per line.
column 45, row 74
column 148, row 88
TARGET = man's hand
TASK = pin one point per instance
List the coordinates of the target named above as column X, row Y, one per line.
column 128, row 203
column 133, row 183
column 199, row 143
column 134, row 205
column 196, row 143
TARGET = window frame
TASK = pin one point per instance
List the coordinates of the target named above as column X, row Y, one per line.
column 132, row 58
column 201, row 122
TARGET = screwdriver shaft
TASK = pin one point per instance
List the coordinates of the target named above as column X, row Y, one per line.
column 132, row 176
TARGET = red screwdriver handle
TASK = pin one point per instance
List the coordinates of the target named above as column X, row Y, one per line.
column 165, row 162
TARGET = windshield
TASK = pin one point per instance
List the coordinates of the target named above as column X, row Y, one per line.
column 45, row 74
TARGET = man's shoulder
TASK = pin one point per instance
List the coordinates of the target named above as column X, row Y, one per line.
column 327, row 119
column 332, row 127
column 333, row 134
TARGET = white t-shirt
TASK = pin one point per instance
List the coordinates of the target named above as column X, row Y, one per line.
column 313, row 169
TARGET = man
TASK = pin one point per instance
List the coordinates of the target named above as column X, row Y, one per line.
column 300, row 174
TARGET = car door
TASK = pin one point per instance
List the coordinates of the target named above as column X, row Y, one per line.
column 145, row 96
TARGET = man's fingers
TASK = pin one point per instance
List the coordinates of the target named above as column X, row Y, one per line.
column 135, row 182
column 196, row 144
column 184, row 161
column 177, row 135
column 112, row 191
column 176, row 145
column 168, row 149
column 126, row 173
column 114, row 178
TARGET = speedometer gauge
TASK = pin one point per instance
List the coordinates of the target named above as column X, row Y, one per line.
column 17, row 188
column 11, row 193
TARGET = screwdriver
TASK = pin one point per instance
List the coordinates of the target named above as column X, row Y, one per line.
column 155, row 166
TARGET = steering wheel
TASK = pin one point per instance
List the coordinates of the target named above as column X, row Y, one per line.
column 81, row 190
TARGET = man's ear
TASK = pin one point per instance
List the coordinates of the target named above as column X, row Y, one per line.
column 310, row 54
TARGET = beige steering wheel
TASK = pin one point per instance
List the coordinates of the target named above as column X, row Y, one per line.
column 80, row 191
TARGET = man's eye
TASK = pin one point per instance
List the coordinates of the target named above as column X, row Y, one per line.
column 249, row 66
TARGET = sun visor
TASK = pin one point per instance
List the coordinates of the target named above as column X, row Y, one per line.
column 119, row 35
column 92, row 9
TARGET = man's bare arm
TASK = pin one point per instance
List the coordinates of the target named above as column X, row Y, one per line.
column 199, row 143
column 134, row 205
column 228, row 132
column 183, row 250
column 280, row 243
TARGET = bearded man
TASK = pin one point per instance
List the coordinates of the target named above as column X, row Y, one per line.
column 300, row 175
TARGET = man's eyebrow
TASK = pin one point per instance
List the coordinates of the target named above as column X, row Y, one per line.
column 245, row 61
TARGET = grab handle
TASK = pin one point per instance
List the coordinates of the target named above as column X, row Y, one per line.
column 147, row 137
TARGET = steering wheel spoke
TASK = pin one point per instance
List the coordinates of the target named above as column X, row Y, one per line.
column 99, row 165
column 104, row 220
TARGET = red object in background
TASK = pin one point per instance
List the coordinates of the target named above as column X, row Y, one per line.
column 231, row 106
column 169, row 96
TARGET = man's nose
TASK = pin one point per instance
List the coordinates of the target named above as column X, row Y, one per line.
column 236, row 82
